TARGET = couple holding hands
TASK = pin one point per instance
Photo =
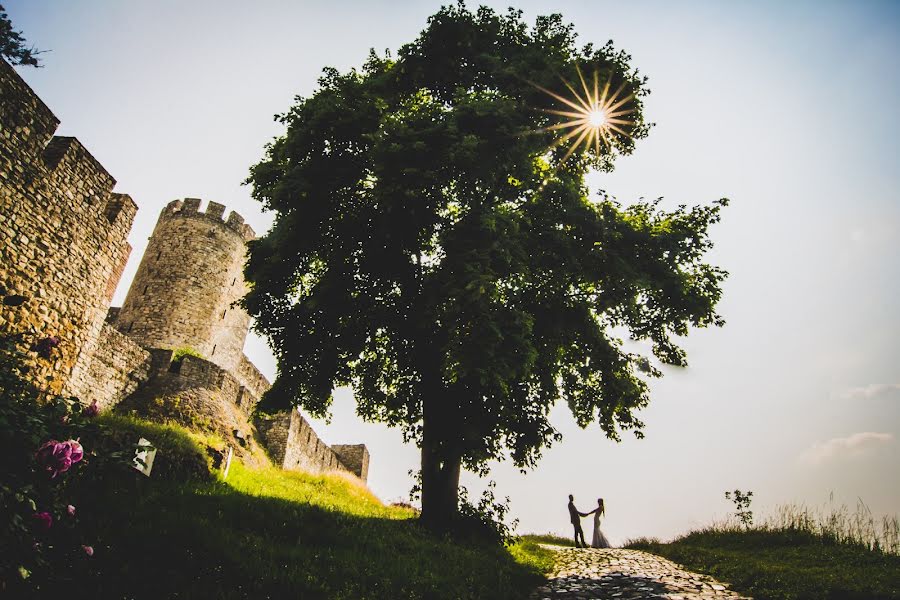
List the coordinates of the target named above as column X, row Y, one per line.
column 599, row 540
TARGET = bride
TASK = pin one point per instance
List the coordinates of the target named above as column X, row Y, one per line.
column 599, row 540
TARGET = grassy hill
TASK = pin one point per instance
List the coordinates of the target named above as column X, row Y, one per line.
column 786, row 563
column 267, row 533
column 186, row 532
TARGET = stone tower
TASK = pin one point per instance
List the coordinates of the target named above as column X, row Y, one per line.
column 189, row 278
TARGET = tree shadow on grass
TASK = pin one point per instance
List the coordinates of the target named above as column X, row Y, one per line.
column 208, row 540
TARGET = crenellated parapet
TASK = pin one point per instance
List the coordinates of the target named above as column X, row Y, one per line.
column 63, row 233
column 198, row 394
column 28, row 124
column 190, row 208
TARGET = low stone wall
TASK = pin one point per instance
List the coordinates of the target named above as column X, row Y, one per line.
column 355, row 458
column 294, row 445
column 251, row 378
column 118, row 367
column 199, row 395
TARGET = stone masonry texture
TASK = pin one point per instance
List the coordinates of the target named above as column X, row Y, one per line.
column 117, row 368
column 355, row 458
column 294, row 445
column 63, row 235
column 185, row 288
column 63, row 247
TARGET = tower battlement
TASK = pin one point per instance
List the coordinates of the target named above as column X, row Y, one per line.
column 190, row 207
column 189, row 279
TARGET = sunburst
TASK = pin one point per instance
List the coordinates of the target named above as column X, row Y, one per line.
column 593, row 117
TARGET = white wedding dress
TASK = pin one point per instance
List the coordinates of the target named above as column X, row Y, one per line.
column 599, row 540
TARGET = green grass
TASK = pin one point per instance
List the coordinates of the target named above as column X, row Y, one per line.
column 550, row 538
column 528, row 551
column 785, row 564
column 268, row 533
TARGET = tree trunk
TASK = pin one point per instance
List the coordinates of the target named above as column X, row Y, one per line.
column 440, row 480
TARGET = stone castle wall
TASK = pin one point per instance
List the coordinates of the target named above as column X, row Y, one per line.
column 118, row 367
column 63, row 248
column 189, row 278
column 355, row 457
column 199, row 395
column 294, row 445
column 250, row 377
column 63, row 235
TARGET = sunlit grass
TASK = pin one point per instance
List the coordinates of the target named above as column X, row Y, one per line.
column 797, row 553
column 528, row 551
column 551, row 539
column 264, row 532
column 840, row 525
column 331, row 491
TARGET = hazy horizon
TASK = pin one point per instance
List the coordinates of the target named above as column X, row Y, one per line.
column 789, row 111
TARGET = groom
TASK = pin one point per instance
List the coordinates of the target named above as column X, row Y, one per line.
column 575, row 516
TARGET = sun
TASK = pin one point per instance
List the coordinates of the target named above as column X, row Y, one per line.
column 592, row 117
column 597, row 117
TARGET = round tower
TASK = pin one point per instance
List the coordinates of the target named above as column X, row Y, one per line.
column 189, row 277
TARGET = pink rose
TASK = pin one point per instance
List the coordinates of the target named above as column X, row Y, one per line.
column 42, row 521
column 70, row 509
column 77, row 450
column 55, row 457
column 89, row 550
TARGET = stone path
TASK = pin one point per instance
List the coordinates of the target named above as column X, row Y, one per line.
column 587, row 574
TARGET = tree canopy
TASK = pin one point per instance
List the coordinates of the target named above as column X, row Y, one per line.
column 13, row 45
column 435, row 247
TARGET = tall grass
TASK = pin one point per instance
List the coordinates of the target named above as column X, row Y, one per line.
column 796, row 553
column 840, row 525
column 831, row 523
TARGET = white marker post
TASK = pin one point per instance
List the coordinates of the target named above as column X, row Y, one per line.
column 227, row 462
column 143, row 457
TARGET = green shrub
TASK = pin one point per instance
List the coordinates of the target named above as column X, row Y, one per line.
column 178, row 354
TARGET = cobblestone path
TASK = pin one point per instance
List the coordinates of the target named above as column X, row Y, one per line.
column 587, row 574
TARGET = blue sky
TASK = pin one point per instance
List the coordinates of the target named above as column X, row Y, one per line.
column 789, row 109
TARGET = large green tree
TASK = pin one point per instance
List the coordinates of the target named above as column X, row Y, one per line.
column 435, row 247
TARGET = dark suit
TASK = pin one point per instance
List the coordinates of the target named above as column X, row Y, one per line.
column 575, row 517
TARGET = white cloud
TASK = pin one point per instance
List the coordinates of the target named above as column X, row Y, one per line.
column 871, row 391
column 853, row 446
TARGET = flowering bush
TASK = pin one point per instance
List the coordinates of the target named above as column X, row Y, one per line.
column 38, row 526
